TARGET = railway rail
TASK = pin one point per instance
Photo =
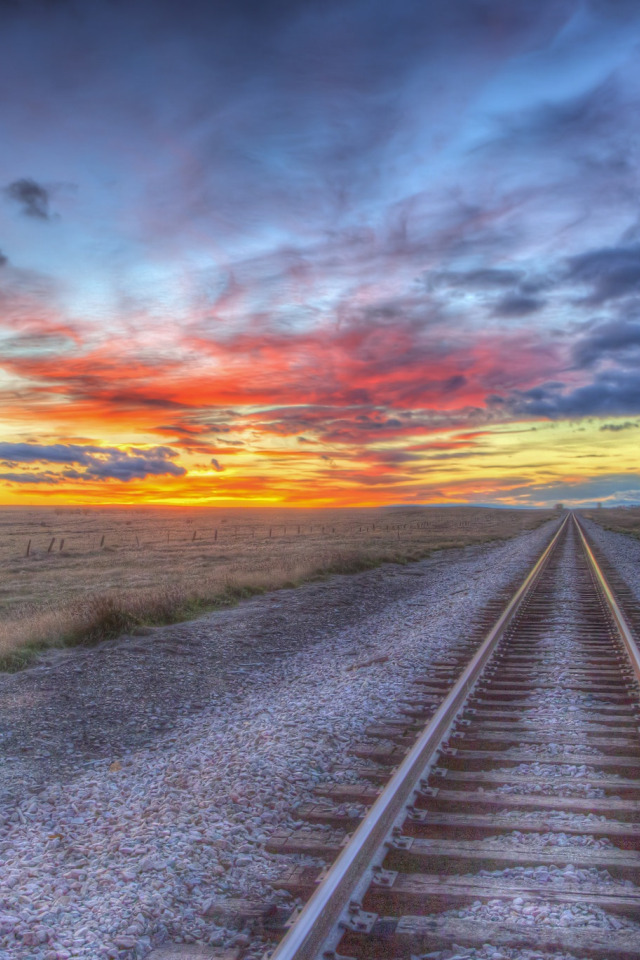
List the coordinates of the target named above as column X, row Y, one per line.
column 499, row 810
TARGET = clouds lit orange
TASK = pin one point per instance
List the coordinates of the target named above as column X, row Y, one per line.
column 343, row 255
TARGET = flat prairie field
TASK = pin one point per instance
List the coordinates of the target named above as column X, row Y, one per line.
column 618, row 519
column 78, row 575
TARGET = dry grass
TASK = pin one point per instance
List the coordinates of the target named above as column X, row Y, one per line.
column 111, row 570
column 619, row 519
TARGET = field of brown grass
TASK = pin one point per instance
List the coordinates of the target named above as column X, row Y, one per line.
column 80, row 575
column 619, row 519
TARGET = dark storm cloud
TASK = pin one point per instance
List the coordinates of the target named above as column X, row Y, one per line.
column 32, row 197
column 488, row 278
column 617, row 340
column 35, row 478
column 52, row 453
column 612, row 393
column 125, row 468
column 217, row 466
column 138, row 399
column 99, row 463
column 611, row 272
column 455, row 382
column 517, row 305
column 3, row 259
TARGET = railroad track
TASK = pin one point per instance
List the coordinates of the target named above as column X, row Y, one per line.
column 499, row 810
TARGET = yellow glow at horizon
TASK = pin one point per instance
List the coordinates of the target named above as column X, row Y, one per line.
column 281, row 471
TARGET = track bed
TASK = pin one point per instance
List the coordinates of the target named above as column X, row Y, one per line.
column 499, row 808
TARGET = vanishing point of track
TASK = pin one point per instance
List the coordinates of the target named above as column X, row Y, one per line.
column 534, row 735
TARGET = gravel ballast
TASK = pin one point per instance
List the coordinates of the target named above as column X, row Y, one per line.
column 620, row 549
column 141, row 778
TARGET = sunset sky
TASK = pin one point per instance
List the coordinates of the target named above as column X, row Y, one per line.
column 321, row 253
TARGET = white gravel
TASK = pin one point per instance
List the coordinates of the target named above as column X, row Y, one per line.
column 489, row 952
column 620, row 549
column 570, row 819
column 108, row 854
column 539, row 841
column 563, row 877
column 552, row 770
column 566, row 788
column 525, row 910
column 556, row 749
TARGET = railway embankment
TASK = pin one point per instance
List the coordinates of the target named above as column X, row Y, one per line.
column 142, row 779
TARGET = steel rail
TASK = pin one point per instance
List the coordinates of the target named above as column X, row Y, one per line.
column 617, row 614
column 311, row 929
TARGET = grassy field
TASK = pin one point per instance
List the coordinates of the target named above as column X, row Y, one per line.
column 620, row 519
column 79, row 575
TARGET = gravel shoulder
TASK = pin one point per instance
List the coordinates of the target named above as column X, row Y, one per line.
column 141, row 778
column 621, row 550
